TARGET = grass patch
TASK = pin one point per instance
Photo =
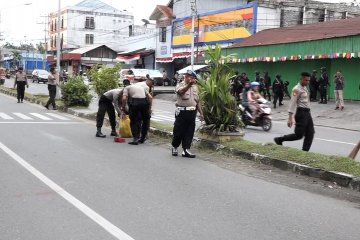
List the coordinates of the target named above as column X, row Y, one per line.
column 162, row 126
column 325, row 162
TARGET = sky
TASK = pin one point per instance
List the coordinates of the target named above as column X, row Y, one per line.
column 21, row 22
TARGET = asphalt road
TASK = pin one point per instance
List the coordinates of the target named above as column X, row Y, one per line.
column 327, row 140
column 60, row 182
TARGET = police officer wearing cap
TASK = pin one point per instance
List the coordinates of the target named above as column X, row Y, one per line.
column 323, row 85
column 187, row 106
column 300, row 107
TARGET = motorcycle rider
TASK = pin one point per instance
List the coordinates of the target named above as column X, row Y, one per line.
column 244, row 100
column 252, row 96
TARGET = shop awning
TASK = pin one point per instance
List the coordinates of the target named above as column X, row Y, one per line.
column 134, row 54
column 196, row 68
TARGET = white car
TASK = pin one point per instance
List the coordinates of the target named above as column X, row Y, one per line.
column 40, row 75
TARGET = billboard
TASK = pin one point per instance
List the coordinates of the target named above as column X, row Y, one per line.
column 223, row 26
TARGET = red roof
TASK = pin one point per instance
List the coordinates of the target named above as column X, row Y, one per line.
column 302, row 33
column 161, row 10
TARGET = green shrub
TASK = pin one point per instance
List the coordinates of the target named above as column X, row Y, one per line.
column 75, row 92
column 219, row 106
column 105, row 78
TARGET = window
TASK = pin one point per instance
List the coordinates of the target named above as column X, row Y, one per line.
column 89, row 38
column 54, row 41
column 55, row 26
column 162, row 35
column 89, row 23
column 62, row 22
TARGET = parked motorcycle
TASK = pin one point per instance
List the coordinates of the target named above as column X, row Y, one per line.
column 264, row 117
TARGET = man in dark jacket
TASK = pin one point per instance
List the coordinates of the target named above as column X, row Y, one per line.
column 314, row 85
column 267, row 82
column 278, row 87
column 323, row 85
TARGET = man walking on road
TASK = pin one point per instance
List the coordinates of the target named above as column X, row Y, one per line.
column 108, row 102
column 300, row 104
column 187, row 105
column 278, row 90
column 140, row 102
column 20, row 83
column 339, row 87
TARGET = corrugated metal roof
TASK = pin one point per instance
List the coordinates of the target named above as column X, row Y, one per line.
column 88, row 48
column 301, row 33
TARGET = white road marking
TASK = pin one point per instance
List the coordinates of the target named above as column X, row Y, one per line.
column 334, row 141
column 54, row 115
column 22, row 116
column 40, row 116
column 64, row 123
column 108, row 226
column 5, row 116
column 164, row 117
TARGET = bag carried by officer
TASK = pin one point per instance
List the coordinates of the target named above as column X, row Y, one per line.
column 124, row 127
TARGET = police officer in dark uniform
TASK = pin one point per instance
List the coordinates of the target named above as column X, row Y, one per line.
column 277, row 88
column 323, row 85
column 300, row 106
column 313, row 86
column 108, row 102
column 140, row 101
column 187, row 105
column 267, row 82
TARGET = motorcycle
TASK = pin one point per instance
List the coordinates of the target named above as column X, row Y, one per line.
column 264, row 117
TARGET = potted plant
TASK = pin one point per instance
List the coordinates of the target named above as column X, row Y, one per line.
column 222, row 120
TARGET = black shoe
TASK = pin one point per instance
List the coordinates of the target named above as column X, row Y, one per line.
column 21, row 101
column 134, row 142
column 321, row 102
column 281, row 104
column 337, row 108
column 188, row 154
column 142, row 140
column 114, row 133
column 174, row 152
column 47, row 107
column 18, row 101
column 278, row 141
column 324, row 102
column 100, row 134
column 342, row 108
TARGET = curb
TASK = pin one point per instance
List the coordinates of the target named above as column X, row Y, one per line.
column 342, row 179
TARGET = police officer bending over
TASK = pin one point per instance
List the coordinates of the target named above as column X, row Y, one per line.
column 140, row 102
column 187, row 105
column 300, row 104
column 108, row 102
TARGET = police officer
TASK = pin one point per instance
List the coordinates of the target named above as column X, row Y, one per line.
column 140, row 101
column 277, row 88
column 300, row 104
column 187, row 105
column 267, row 83
column 323, row 85
column 20, row 83
column 313, row 86
column 108, row 102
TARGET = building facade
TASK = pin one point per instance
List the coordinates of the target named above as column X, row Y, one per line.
column 90, row 22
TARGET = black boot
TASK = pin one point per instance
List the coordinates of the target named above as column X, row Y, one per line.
column 99, row 133
column 113, row 133
column 134, row 142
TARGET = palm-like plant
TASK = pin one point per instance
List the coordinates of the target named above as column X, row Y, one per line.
column 219, row 106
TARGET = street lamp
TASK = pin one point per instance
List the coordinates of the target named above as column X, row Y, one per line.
column 58, row 40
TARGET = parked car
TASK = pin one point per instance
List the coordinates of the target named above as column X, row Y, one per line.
column 40, row 75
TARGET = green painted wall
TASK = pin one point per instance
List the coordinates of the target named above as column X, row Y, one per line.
column 290, row 71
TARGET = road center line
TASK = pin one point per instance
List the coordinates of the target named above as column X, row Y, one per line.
column 108, row 226
column 334, row 141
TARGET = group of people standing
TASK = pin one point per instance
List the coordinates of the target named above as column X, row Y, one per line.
column 321, row 85
column 268, row 89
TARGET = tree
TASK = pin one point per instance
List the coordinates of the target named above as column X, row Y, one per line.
column 16, row 55
column 105, row 78
column 40, row 48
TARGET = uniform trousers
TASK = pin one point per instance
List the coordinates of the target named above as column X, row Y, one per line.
column 105, row 105
column 184, row 128
column 52, row 95
column 20, row 90
column 278, row 95
column 339, row 98
column 304, row 128
column 139, row 117
column 323, row 93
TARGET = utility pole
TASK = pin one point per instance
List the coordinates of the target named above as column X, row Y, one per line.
column 193, row 13
column 46, row 17
column 58, row 40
